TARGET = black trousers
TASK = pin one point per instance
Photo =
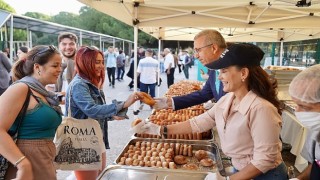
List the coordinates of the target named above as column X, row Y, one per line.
column 170, row 77
column 111, row 74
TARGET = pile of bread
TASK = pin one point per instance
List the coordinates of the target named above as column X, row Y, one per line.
column 169, row 116
column 286, row 68
column 183, row 87
column 165, row 155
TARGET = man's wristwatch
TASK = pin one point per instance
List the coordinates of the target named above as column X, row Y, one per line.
column 165, row 132
column 227, row 178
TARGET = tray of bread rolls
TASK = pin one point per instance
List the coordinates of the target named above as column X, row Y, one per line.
column 168, row 116
column 171, row 154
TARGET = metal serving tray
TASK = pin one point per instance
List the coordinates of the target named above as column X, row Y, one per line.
column 207, row 136
column 210, row 147
column 117, row 172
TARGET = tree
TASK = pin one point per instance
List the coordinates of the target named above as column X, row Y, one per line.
column 66, row 18
column 6, row 7
column 37, row 15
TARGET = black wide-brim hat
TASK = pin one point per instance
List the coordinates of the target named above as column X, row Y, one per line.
column 242, row 54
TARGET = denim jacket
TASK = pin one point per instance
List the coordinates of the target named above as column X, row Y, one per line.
column 88, row 101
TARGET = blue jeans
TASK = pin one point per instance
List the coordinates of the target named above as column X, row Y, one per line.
column 278, row 173
column 148, row 87
column 161, row 67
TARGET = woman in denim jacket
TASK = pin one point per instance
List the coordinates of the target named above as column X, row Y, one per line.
column 88, row 100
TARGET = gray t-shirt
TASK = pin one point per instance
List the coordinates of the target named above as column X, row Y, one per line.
column 5, row 68
column 311, row 148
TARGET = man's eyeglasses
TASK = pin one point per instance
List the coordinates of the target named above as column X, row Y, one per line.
column 198, row 50
column 51, row 48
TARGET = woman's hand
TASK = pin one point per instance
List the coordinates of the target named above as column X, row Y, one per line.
column 24, row 170
column 131, row 99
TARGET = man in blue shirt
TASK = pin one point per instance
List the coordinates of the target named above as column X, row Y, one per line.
column 110, row 59
column 208, row 46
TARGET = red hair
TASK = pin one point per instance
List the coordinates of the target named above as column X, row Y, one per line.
column 85, row 65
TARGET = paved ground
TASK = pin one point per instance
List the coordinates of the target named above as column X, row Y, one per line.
column 118, row 130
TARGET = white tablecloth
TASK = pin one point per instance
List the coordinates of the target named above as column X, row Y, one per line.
column 294, row 133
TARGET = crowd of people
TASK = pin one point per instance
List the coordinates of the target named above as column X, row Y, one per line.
column 247, row 113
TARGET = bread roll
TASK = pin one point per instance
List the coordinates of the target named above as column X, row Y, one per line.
column 201, row 154
column 135, row 162
column 141, row 163
column 179, row 159
column 122, row 159
column 146, row 98
column 165, row 164
column 128, row 161
column 207, row 162
column 190, row 151
column 135, row 122
column 172, row 165
column 190, row 166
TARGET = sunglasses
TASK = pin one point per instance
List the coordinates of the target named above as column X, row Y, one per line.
column 50, row 48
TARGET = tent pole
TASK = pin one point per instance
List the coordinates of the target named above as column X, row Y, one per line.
column 135, row 29
column 159, row 73
column 80, row 42
column 100, row 43
column 11, row 38
column 281, row 52
column 30, row 39
column 122, row 46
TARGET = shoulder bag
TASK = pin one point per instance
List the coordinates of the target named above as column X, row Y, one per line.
column 79, row 143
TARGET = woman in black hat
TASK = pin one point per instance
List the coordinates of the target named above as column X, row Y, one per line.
column 248, row 117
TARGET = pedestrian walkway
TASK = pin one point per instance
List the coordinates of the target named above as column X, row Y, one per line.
column 119, row 134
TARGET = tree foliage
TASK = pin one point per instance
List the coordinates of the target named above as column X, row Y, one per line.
column 88, row 19
column 6, row 7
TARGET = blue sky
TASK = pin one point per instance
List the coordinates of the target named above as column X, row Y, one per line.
column 49, row 7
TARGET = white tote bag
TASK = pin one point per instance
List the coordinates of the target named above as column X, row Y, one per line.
column 79, row 144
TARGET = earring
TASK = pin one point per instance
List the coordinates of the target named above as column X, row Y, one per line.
column 39, row 73
column 242, row 80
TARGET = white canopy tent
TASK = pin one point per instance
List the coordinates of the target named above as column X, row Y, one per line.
column 238, row 21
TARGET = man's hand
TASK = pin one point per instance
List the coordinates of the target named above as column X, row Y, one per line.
column 208, row 105
column 150, row 128
column 162, row 103
column 204, row 76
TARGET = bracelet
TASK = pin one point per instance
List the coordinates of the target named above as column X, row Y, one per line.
column 19, row 161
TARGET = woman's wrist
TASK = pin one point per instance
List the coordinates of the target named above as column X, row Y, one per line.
column 19, row 161
column 22, row 164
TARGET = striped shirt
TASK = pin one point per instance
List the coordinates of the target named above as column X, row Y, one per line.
column 148, row 68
